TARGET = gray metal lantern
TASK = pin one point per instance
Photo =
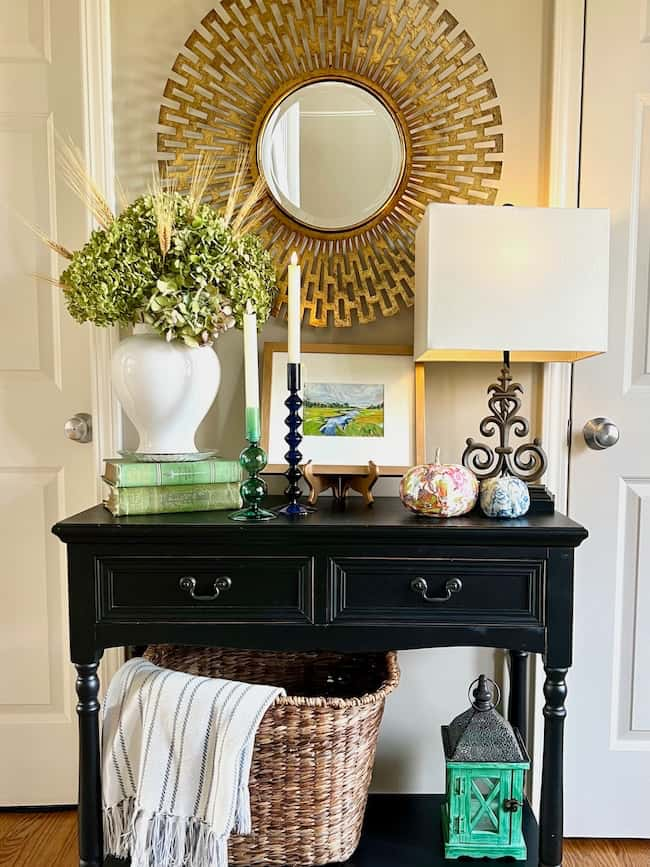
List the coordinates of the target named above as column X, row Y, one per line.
column 486, row 761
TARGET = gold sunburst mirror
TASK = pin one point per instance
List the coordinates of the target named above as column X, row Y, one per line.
column 357, row 113
column 333, row 154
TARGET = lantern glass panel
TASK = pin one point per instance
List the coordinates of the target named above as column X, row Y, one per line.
column 484, row 804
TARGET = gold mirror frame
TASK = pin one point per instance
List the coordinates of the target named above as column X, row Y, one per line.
column 400, row 124
column 413, row 56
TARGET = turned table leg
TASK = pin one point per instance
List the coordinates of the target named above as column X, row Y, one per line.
column 551, row 804
column 90, row 799
column 518, row 695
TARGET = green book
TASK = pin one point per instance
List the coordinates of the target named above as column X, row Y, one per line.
column 129, row 474
column 154, row 500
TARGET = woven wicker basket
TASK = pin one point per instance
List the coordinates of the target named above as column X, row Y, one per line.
column 314, row 751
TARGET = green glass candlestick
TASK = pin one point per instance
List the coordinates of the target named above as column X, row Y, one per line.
column 253, row 489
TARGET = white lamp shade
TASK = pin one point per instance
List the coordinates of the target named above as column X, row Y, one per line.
column 533, row 281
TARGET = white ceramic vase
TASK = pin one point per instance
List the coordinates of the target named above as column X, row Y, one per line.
column 165, row 389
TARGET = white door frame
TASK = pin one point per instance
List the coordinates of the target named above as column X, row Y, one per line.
column 563, row 183
column 563, row 160
column 563, row 187
column 563, row 192
column 100, row 151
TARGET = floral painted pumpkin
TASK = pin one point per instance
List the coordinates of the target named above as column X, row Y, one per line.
column 439, row 490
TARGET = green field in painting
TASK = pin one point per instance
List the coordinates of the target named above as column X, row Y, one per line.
column 367, row 423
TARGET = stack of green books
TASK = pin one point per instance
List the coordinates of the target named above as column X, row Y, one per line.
column 184, row 486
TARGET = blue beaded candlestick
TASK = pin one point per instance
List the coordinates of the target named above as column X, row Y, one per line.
column 293, row 509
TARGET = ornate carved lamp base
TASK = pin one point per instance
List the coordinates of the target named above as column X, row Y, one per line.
column 527, row 461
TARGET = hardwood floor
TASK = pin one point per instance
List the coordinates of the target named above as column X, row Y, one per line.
column 607, row 853
column 50, row 840
column 39, row 839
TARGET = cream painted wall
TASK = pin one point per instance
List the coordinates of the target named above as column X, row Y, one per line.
column 514, row 38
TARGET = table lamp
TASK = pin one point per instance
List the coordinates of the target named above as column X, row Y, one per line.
column 510, row 283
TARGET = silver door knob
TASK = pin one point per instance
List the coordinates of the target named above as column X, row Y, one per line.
column 79, row 428
column 600, row 433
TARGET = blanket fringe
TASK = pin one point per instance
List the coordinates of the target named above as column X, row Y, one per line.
column 161, row 840
column 243, row 819
column 118, row 829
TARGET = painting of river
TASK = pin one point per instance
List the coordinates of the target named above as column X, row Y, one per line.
column 343, row 409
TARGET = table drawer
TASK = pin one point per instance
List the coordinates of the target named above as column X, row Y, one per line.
column 366, row 590
column 222, row 589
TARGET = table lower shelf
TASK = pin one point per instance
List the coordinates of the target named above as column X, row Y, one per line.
column 404, row 831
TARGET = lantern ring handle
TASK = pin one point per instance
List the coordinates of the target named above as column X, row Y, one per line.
column 494, row 684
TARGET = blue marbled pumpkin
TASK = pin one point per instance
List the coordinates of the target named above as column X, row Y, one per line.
column 504, row 497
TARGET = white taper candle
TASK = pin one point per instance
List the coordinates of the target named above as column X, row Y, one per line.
column 251, row 372
column 293, row 310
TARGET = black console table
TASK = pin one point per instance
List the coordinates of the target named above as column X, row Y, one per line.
column 360, row 579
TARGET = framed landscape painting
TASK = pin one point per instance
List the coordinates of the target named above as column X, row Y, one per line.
column 358, row 406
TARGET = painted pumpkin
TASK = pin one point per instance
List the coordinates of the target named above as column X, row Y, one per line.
column 439, row 490
column 504, row 497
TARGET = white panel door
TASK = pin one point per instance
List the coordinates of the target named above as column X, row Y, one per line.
column 608, row 726
column 44, row 379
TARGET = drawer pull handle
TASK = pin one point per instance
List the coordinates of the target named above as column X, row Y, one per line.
column 188, row 585
column 452, row 585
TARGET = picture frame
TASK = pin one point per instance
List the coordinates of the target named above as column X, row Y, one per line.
column 361, row 402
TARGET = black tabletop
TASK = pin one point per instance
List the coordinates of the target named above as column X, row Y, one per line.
column 387, row 516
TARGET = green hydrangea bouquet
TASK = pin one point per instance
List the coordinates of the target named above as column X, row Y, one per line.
column 168, row 259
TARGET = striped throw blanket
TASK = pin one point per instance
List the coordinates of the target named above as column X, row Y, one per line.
column 176, row 755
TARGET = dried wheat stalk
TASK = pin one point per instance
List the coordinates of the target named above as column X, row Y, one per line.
column 49, row 242
column 237, row 180
column 256, row 217
column 203, row 173
column 246, row 215
column 163, row 192
column 80, row 181
column 122, row 194
column 53, row 281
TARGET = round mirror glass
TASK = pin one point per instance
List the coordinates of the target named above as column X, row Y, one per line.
column 332, row 155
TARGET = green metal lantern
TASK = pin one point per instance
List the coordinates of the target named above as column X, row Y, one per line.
column 486, row 762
